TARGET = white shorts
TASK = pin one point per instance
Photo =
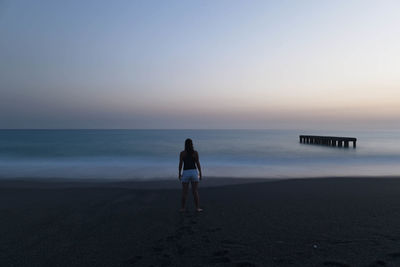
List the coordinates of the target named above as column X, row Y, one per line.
column 190, row 176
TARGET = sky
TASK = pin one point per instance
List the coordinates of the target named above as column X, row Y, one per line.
column 200, row 64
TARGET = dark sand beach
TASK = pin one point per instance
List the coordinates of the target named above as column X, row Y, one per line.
column 297, row 222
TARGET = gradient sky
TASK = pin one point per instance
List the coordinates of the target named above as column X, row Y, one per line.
column 199, row 64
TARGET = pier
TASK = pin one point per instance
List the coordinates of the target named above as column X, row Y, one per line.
column 328, row 140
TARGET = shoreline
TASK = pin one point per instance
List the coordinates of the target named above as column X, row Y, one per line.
column 165, row 183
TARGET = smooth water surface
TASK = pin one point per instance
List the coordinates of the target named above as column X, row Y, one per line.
column 146, row 154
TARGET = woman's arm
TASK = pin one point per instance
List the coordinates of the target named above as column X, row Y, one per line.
column 180, row 166
column 198, row 164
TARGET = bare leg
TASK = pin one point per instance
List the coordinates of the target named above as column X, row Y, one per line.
column 196, row 195
column 185, row 189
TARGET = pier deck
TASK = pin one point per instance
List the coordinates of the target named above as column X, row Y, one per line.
column 328, row 140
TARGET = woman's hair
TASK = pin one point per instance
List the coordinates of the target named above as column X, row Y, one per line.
column 189, row 145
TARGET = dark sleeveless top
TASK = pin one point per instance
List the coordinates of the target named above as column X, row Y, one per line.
column 189, row 162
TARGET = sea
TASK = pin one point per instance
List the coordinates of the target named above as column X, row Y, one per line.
column 154, row 154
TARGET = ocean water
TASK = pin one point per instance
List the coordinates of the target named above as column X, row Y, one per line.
column 153, row 154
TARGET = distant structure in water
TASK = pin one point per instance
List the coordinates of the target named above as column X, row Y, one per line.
column 328, row 140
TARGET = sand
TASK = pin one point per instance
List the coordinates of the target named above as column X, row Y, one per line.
column 297, row 222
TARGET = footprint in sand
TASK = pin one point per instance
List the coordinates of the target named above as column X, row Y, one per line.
column 231, row 244
column 205, row 239
column 223, row 259
column 172, row 238
column 158, row 249
column 184, row 228
column 378, row 263
column 213, row 230
column 220, row 253
column 181, row 250
column 335, row 263
column 394, row 255
column 135, row 259
column 245, row 264
column 220, row 256
column 165, row 262
column 228, row 242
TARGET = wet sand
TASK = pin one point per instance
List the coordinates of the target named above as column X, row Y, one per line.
column 297, row 222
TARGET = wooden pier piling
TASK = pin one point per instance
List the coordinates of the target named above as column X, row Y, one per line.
column 328, row 140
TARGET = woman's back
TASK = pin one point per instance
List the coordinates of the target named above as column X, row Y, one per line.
column 189, row 160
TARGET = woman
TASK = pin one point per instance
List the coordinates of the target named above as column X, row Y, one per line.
column 189, row 158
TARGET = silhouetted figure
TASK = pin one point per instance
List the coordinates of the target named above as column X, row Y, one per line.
column 189, row 158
